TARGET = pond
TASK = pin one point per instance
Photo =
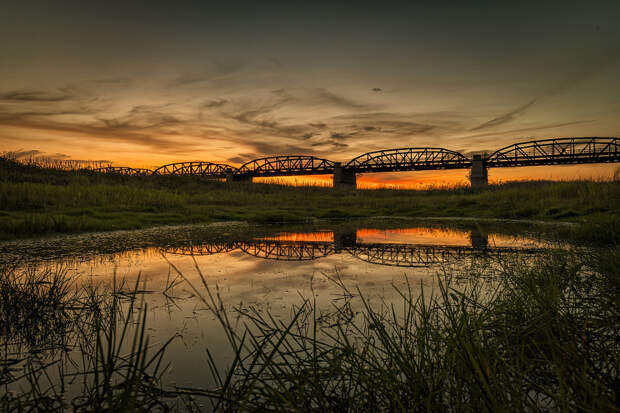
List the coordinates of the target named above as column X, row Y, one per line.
column 264, row 269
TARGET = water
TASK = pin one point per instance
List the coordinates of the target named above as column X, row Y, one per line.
column 268, row 269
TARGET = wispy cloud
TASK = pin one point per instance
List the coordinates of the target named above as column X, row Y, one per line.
column 35, row 96
column 593, row 67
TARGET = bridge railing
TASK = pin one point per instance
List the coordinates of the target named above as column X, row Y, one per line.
column 556, row 151
column 194, row 168
column 286, row 165
column 123, row 170
column 409, row 159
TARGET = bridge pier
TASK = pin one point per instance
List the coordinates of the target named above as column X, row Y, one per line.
column 345, row 239
column 478, row 176
column 344, row 178
column 479, row 240
column 231, row 177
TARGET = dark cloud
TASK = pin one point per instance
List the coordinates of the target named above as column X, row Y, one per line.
column 377, row 89
column 507, row 117
column 216, row 70
column 35, row 96
column 340, row 101
column 236, row 159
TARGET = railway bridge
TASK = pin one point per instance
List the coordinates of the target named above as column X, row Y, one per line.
column 556, row 151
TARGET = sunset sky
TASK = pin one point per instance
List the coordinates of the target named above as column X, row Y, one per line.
column 147, row 83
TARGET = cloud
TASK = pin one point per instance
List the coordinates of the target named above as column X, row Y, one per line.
column 236, row 159
column 35, row 96
column 529, row 129
column 114, row 81
column 216, row 70
column 325, row 96
column 377, row 89
column 505, row 118
column 593, row 68
column 214, row 103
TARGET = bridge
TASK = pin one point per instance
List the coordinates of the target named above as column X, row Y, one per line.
column 390, row 254
column 557, row 151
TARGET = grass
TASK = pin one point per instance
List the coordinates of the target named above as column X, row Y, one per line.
column 521, row 336
column 66, row 348
column 541, row 337
column 36, row 201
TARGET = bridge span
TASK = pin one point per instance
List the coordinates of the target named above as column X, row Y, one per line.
column 556, row 151
column 390, row 254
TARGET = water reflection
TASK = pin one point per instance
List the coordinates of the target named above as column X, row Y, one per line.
column 266, row 269
column 416, row 247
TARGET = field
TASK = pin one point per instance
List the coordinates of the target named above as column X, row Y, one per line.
column 36, row 201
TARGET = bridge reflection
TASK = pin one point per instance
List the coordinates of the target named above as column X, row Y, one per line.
column 302, row 247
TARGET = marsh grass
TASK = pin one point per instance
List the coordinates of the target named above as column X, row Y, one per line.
column 65, row 349
column 534, row 336
column 527, row 335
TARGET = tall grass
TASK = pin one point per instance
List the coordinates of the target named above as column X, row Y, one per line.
column 70, row 349
column 525, row 336
column 540, row 336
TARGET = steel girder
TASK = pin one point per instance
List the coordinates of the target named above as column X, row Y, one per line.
column 286, row 165
column 124, row 170
column 287, row 250
column 409, row 159
column 556, row 152
column 217, row 170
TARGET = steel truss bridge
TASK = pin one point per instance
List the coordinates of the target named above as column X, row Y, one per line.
column 557, row 151
column 399, row 255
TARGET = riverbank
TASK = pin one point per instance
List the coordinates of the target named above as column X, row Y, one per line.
column 36, row 201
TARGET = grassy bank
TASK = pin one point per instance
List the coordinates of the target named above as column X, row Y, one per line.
column 35, row 201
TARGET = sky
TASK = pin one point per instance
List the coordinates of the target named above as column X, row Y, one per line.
column 147, row 83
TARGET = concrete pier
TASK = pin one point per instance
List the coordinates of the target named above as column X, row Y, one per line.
column 345, row 239
column 344, row 178
column 478, row 177
column 231, row 177
column 479, row 240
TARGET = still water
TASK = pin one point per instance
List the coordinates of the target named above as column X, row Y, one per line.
column 269, row 269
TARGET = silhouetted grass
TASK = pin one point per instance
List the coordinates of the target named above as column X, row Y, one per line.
column 525, row 336
column 35, row 201
column 70, row 349
column 541, row 337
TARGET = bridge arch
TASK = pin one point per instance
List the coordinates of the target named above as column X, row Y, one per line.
column 286, row 250
column 287, row 165
column 124, row 170
column 194, row 168
column 409, row 159
column 556, row 151
column 201, row 249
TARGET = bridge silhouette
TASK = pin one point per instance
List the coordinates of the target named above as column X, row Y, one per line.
column 557, row 151
column 391, row 254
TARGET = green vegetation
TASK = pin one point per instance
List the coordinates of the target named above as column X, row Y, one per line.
column 36, row 201
column 528, row 336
